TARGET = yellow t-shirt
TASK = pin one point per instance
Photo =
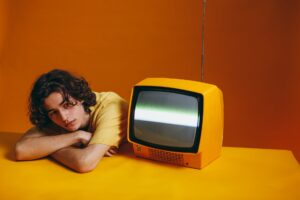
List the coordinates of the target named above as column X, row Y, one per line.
column 108, row 121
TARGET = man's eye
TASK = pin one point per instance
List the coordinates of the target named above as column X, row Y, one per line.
column 51, row 113
column 69, row 104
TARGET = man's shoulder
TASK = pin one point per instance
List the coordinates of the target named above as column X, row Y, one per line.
column 107, row 95
column 104, row 98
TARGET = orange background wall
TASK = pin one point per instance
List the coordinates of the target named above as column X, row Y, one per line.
column 113, row 44
column 250, row 53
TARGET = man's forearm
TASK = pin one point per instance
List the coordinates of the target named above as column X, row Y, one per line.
column 81, row 160
column 38, row 147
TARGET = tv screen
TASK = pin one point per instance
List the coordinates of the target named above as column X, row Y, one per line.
column 166, row 118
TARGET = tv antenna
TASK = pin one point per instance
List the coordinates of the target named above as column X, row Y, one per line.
column 202, row 53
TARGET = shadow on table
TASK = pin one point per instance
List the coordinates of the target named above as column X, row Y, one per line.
column 7, row 142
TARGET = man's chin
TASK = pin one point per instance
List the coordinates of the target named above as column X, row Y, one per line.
column 71, row 129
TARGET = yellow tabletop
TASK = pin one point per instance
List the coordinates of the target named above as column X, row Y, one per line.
column 240, row 173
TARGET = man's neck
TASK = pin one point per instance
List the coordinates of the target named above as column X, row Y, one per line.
column 86, row 122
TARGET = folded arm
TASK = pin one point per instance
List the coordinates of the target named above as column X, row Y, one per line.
column 36, row 144
column 81, row 159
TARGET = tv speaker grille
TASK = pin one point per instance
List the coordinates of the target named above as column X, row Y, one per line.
column 168, row 157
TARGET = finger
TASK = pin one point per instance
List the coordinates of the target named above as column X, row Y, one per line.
column 112, row 151
column 108, row 154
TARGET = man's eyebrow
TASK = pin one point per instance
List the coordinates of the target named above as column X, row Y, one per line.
column 64, row 101
column 59, row 104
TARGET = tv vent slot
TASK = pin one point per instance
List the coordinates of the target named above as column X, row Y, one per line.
column 168, row 157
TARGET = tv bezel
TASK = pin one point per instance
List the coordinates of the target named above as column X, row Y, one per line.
column 198, row 96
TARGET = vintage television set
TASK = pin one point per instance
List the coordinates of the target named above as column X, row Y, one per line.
column 176, row 121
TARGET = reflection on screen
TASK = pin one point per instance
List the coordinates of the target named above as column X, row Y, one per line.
column 166, row 118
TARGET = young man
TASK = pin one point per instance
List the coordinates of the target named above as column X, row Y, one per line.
column 72, row 124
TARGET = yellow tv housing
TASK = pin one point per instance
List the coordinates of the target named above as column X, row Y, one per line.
column 176, row 121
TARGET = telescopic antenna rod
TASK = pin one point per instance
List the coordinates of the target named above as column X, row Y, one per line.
column 203, row 30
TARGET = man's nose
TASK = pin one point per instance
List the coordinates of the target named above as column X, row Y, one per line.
column 64, row 115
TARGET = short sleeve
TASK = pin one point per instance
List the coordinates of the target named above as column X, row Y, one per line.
column 110, row 122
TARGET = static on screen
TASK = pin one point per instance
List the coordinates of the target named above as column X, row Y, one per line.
column 166, row 118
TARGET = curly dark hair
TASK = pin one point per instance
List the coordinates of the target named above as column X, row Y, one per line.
column 57, row 81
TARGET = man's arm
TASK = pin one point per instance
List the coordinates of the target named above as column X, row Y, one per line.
column 36, row 144
column 81, row 160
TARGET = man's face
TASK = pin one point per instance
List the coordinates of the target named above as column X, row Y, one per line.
column 68, row 115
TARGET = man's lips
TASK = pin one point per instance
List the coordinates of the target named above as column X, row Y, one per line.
column 70, row 123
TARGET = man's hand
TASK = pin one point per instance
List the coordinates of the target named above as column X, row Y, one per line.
column 111, row 151
column 84, row 138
